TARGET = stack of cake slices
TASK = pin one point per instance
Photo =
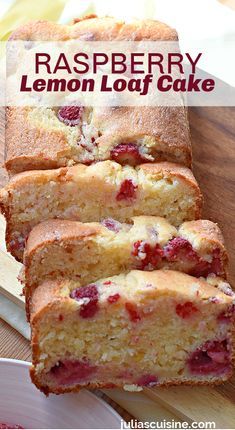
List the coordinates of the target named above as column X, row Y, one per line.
column 125, row 285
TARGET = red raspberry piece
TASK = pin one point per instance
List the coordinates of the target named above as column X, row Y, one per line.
column 204, row 268
column 147, row 381
column 185, row 310
column 133, row 312
column 72, row 371
column 70, row 115
column 226, row 316
column 212, row 357
column 17, row 244
column 90, row 292
column 126, row 153
column 179, row 248
column 216, row 264
column 148, row 256
column 107, row 283
column 114, row 298
column 127, row 190
column 223, row 317
column 112, row 224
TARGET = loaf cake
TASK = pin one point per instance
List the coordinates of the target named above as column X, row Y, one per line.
column 131, row 330
column 78, row 134
column 92, row 193
column 73, row 250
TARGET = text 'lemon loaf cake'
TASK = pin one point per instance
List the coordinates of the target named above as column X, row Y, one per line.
column 79, row 134
column 86, row 252
column 91, row 193
column 131, row 330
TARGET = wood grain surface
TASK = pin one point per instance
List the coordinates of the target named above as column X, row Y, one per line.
column 213, row 139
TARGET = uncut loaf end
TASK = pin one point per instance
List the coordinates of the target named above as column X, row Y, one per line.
column 80, row 134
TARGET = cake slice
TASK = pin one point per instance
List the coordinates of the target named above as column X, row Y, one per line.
column 85, row 252
column 132, row 330
column 79, row 134
column 91, row 193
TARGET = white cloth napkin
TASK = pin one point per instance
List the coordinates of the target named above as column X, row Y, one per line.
column 10, row 312
column 14, row 315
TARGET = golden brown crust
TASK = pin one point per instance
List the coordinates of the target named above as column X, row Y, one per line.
column 162, row 169
column 205, row 233
column 157, row 170
column 165, row 129
column 166, row 125
column 45, row 295
column 59, row 230
column 41, row 176
column 32, row 151
column 94, row 28
column 49, row 232
column 208, row 229
column 167, row 168
column 52, row 292
column 62, row 390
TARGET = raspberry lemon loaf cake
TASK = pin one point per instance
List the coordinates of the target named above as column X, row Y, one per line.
column 91, row 193
column 131, row 330
column 79, row 134
column 60, row 249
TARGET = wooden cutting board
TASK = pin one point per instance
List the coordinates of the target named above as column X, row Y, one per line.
column 213, row 138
